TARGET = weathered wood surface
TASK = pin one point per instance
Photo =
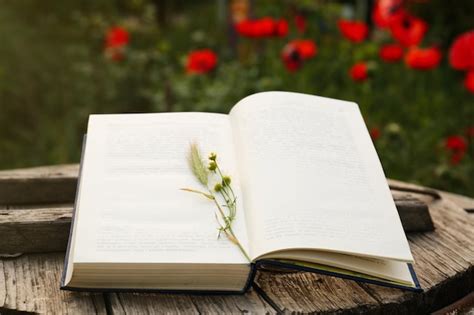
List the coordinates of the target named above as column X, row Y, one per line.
column 467, row 203
column 464, row 202
column 29, row 283
column 133, row 303
column 39, row 185
column 413, row 212
column 34, row 229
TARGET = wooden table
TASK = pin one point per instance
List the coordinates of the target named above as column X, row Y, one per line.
column 34, row 227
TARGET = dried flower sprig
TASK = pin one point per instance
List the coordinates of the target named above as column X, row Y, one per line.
column 222, row 191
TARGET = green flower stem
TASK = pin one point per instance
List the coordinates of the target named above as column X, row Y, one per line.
column 218, row 205
column 226, row 186
column 228, row 228
column 209, row 196
column 201, row 172
column 239, row 245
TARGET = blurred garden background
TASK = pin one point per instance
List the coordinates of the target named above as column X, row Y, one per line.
column 408, row 64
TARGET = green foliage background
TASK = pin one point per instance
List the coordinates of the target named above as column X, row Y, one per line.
column 53, row 74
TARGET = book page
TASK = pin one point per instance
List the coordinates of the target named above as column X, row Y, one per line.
column 311, row 178
column 131, row 207
column 386, row 269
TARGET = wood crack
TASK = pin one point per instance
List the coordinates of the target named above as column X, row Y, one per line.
column 196, row 306
column 266, row 298
column 8, row 311
column 370, row 293
column 107, row 303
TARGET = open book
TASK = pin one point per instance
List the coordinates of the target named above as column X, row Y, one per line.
column 311, row 195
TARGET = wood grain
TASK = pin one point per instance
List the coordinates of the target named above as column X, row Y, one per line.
column 33, row 230
column 130, row 303
column 304, row 292
column 30, row 284
column 464, row 202
column 413, row 212
column 38, row 185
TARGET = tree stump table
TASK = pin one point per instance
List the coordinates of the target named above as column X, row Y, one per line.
column 35, row 215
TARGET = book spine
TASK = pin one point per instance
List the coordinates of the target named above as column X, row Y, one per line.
column 66, row 259
column 251, row 278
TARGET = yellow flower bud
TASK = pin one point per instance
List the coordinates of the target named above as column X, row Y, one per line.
column 212, row 166
column 226, row 180
column 212, row 156
column 218, row 187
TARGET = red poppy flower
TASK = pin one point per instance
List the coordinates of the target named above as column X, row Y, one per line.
column 461, row 53
column 260, row 28
column 116, row 37
column 296, row 51
column 391, row 52
column 355, row 31
column 374, row 133
column 387, row 12
column 469, row 81
column 409, row 30
column 253, row 28
column 300, row 23
column 265, row 27
column 291, row 58
column 457, row 145
column 359, row 72
column 423, row 59
column 244, row 28
column 201, row 61
column 281, row 28
column 306, row 47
